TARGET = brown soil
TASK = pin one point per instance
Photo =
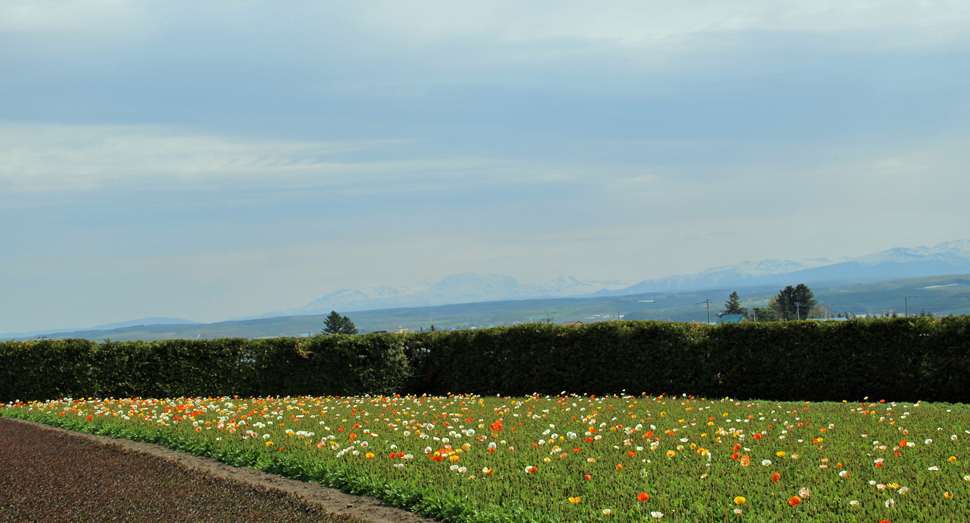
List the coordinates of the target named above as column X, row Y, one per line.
column 48, row 474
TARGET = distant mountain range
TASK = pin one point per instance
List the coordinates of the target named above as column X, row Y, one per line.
column 898, row 263
column 466, row 287
column 945, row 258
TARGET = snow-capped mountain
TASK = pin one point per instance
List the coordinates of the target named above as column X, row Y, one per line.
column 459, row 288
column 945, row 258
column 746, row 272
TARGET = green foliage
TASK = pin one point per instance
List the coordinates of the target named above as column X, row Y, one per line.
column 733, row 305
column 337, row 324
column 794, row 303
column 763, row 314
column 911, row 359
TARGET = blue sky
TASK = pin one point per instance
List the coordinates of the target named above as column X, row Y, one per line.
column 208, row 160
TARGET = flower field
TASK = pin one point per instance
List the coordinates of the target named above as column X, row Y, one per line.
column 576, row 458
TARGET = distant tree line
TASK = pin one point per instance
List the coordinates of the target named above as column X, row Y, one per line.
column 790, row 304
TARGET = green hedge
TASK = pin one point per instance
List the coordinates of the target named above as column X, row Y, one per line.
column 900, row 359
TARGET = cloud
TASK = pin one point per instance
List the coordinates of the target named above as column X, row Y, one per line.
column 43, row 157
column 196, row 145
column 652, row 21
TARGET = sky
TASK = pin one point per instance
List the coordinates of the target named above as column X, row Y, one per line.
column 210, row 160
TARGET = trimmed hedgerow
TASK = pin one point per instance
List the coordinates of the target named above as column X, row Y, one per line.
column 906, row 359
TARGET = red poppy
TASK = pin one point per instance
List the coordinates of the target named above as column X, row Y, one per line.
column 589, row 440
column 737, row 447
column 775, row 477
column 643, row 496
column 631, row 453
column 735, row 456
column 587, row 477
column 757, row 436
column 794, row 501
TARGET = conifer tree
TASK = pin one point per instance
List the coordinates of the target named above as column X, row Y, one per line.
column 733, row 305
column 337, row 324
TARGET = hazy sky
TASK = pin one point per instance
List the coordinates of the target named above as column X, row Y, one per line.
column 208, row 160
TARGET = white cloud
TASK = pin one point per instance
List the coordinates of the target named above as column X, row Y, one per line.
column 59, row 157
column 653, row 21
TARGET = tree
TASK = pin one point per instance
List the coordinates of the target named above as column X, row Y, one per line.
column 819, row 311
column 763, row 314
column 733, row 305
column 337, row 324
column 793, row 303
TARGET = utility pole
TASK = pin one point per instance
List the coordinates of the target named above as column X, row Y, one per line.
column 708, row 302
column 906, row 303
column 798, row 314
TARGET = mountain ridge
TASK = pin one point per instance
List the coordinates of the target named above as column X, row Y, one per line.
column 951, row 257
column 900, row 262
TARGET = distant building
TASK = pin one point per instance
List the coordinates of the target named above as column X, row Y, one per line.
column 569, row 323
column 732, row 318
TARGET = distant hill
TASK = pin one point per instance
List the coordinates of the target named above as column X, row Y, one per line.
column 466, row 287
column 939, row 295
column 945, row 258
column 154, row 320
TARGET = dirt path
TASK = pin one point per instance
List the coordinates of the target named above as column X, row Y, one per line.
column 52, row 474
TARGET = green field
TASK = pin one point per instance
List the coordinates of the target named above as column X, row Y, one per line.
column 576, row 458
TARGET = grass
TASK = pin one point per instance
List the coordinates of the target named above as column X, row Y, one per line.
column 576, row 458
